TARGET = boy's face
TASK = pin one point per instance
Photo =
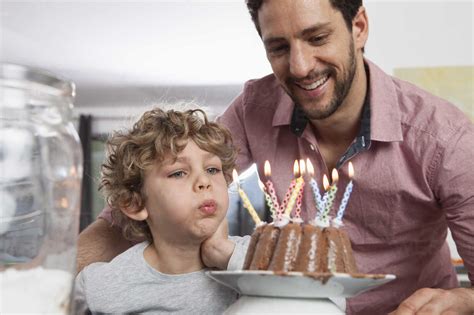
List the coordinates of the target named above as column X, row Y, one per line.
column 187, row 199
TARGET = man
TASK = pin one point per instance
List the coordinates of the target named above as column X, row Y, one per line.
column 412, row 152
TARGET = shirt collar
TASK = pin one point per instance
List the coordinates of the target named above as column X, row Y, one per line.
column 284, row 110
column 385, row 118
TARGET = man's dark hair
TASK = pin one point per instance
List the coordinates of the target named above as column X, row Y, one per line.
column 348, row 9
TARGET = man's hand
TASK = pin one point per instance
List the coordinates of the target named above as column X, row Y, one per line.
column 100, row 242
column 438, row 301
column 217, row 249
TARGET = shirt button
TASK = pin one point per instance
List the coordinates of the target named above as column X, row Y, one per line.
column 312, row 147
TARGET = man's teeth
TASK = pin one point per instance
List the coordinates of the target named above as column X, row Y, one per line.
column 316, row 84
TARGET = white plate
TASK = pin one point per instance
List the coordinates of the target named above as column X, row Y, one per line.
column 296, row 284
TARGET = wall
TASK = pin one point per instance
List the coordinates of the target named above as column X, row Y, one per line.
column 402, row 34
column 420, row 33
column 113, row 108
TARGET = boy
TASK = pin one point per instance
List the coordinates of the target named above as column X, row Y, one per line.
column 166, row 180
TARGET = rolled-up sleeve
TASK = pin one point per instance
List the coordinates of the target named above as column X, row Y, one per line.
column 454, row 188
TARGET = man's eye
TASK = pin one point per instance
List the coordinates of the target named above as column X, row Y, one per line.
column 318, row 40
column 277, row 50
column 213, row 170
column 177, row 174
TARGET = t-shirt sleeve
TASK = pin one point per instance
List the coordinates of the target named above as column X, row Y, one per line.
column 236, row 261
column 80, row 302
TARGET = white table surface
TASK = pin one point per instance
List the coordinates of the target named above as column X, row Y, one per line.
column 269, row 305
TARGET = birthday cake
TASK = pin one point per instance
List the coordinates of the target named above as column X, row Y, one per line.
column 287, row 244
column 300, row 247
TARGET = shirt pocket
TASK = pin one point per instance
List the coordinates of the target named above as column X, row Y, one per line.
column 370, row 212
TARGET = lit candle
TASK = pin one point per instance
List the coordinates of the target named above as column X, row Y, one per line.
column 321, row 218
column 268, row 199
column 331, row 194
column 246, row 201
column 299, row 199
column 298, row 186
column 284, row 204
column 347, row 193
column 270, row 189
column 314, row 186
column 325, row 197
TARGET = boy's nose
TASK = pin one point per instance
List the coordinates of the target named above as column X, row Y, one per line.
column 204, row 186
column 202, row 182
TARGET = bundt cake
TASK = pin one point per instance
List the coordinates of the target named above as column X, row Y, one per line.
column 300, row 247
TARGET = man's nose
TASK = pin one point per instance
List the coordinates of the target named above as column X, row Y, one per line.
column 301, row 61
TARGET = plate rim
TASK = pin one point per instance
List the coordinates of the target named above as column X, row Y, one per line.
column 369, row 281
column 300, row 274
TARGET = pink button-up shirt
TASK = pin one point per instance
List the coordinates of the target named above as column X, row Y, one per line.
column 414, row 179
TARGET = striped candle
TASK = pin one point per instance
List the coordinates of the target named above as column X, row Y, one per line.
column 268, row 199
column 284, row 204
column 246, row 202
column 347, row 194
column 274, row 207
column 314, row 187
column 331, row 195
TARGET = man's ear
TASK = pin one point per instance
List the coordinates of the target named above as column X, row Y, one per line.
column 360, row 28
column 137, row 215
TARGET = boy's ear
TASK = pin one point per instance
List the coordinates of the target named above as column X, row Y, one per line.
column 137, row 215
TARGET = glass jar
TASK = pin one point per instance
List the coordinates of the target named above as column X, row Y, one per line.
column 40, row 183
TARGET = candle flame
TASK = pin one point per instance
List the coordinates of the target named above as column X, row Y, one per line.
column 309, row 167
column 235, row 177
column 261, row 185
column 296, row 169
column 73, row 171
column 302, row 168
column 335, row 176
column 64, row 203
column 267, row 169
column 351, row 170
column 325, row 182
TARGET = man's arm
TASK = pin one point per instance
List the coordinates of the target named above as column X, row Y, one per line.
column 232, row 118
column 454, row 182
column 100, row 241
column 438, row 301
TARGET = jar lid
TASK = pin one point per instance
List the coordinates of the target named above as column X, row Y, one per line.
column 25, row 77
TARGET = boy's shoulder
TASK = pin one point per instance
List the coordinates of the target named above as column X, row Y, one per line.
column 112, row 281
column 128, row 258
column 120, row 270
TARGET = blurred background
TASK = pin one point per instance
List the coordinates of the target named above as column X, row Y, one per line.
column 125, row 56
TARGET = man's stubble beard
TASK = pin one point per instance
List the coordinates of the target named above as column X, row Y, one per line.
column 341, row 89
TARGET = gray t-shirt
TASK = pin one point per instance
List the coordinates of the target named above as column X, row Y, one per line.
column 128, row 284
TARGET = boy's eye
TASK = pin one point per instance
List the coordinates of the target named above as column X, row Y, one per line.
column 213, row 170
column 177, row 174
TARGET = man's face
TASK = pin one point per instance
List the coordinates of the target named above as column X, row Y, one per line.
column 187, row 198
column 311, row 52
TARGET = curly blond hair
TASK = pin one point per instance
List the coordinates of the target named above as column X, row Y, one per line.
column 130, row 153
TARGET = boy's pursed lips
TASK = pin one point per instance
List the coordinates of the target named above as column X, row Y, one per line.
column 208, row 207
